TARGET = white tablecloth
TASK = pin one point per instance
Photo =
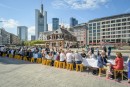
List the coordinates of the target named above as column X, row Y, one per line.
column 93, row 63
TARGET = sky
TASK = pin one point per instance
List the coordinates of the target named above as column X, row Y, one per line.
column 15, row 13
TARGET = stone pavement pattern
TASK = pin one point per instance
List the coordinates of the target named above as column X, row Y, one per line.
column 18, row 73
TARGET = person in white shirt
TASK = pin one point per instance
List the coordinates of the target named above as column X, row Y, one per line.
column 91, row 56
column 62, row 56
column 69, row 57
column 78, row 57
column 48, row 56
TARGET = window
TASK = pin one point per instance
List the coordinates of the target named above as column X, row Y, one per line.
column 103, row 22
column 98, row 27
column 94, row 24
column 94, row 27
column 90, row 25
column 94, row 34
column 113, row 25
column 118, row 20
column 98, row 30
column 98, row 24
column 123, row 20
column 103, row 26
column 90, row 28
column 128, row 19
column 107, row 22
column 128, row 23
column 119, row 24
column 90, row 31
column 113, row 21
column 123, row 23
column 94, row 31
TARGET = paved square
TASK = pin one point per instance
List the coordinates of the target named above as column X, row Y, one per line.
column 18, row 73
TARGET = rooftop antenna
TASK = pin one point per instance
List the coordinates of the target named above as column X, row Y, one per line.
column 42, row 6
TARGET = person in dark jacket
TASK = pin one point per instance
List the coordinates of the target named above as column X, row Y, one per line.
column 29, row 55
column 128, row 62
column 102, row 60
column 109, row 51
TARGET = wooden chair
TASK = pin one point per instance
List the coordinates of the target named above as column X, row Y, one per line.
column 79, row 66
column 118, row 71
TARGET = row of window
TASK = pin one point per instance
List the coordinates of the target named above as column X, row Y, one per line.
column 119, row 24
column 117, row 20
column 112, row 21
column 116, row 36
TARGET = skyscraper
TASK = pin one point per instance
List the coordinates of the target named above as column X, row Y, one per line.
column 40, row 21
column 32, row 37
column 73, row 22
column 55, row 23
column 22, row 32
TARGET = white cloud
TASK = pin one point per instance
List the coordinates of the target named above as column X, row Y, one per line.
column 31, row 31
column 9, row 24
column 79, row 4
column 49, row 27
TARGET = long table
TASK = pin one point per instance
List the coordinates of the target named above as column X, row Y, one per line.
column 93, row 63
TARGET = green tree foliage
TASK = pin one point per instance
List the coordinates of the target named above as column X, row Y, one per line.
column 31, row 43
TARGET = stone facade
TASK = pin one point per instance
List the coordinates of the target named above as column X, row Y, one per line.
column 58, row 38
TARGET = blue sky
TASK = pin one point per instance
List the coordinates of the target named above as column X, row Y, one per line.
column 22, row 12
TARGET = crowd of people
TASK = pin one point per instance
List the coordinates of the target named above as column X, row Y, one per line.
column 69, row 56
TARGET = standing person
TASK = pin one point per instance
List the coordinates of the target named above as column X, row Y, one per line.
column 97, row 51
column 92, row 50
column 128, row 62
column 104, row 49
column 109, row 51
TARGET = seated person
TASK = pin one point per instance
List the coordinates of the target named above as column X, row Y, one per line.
column 69, row 57
column 102, row 62
column 48, row 56
column 83, row 54
column 78, row 58
column 91, row 56
column 118, row 62
column 62, row 56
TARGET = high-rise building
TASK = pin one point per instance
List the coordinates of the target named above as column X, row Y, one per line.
column 113, row 29
column 40, row 21
column 32, row 37
column 73, row 22
column 22, row 32
column 55, row 23
column 7, row 38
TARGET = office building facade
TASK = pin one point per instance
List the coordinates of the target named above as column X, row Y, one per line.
column 7, row 38
column 55, row 23
column 33, row 37
column 112, row 29
column 40, row 21
column 80, row 32
column 73, row 22
column 22, row 32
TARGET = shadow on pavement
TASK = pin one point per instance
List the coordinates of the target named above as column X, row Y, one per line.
column 6, row 60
